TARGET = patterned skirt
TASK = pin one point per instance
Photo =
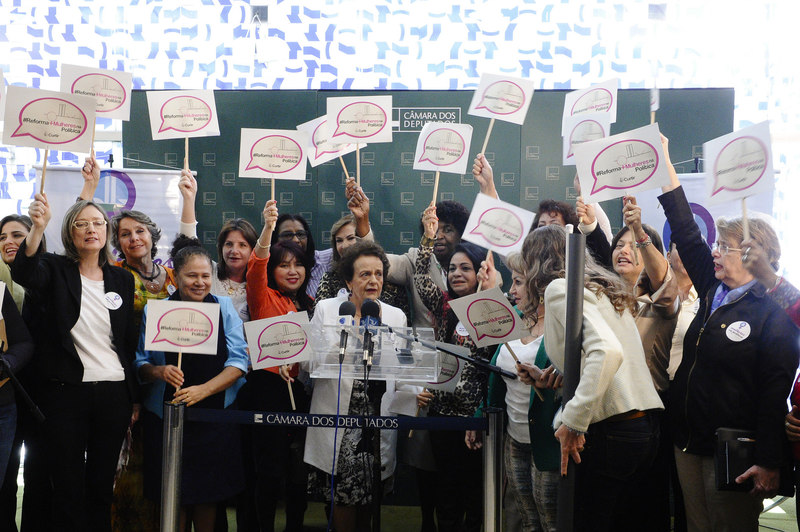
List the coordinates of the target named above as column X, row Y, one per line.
column 353, row 480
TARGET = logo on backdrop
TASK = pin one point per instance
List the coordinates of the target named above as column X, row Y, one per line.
column 115, row 192
column 704, row 221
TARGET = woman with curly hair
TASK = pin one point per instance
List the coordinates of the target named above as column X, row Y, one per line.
column 608, row 427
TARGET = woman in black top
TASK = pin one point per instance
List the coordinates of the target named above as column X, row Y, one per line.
column 86, row 359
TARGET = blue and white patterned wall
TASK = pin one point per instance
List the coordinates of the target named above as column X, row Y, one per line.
column 407, row 44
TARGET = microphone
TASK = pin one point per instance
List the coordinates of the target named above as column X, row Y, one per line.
column 347, row 312
column 370, row 317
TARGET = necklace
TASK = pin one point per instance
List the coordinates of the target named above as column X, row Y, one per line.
column 149, row 281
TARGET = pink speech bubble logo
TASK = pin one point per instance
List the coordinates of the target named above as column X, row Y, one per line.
column 501, row 227
column 741, row 164
column 597, row 100
column 275, row 154
column 360, row 120
column 108, row 91
column 185, row 114
column 502, row 98
column 319, row 141
column 284, row 339
column 448, row 370
column 443, row 147
column 489, row 318
column 624, row 164
column 585, row 131
column 51, row 120
column 184, row 327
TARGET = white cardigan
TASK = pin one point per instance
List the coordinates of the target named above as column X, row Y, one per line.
column 319, row 441
column 614, row 374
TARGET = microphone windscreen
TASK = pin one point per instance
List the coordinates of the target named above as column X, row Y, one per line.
column 347, row 308
column 371, row 308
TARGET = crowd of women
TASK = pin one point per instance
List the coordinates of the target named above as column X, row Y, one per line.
column 674, row 348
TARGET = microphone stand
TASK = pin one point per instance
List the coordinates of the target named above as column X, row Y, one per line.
column 451, row 350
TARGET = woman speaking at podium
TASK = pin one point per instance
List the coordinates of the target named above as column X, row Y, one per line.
column 363, row 267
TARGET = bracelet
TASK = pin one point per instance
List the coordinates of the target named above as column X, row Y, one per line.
column 644, row 243
column 575, row 431
column 646, row 237
column 260, row 245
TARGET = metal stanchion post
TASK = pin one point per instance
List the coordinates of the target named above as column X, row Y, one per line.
column 492, row 470
column 573, row 340
column 171, row 466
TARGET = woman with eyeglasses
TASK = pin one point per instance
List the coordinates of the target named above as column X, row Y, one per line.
column 739, row 359
column 86, row 358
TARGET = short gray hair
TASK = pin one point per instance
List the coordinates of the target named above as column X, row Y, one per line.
column 142, row 218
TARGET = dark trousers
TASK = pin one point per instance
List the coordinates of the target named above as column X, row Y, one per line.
column 274, row 457
column 650, row 500
column 85, row 426
column 459, row 483
column 616, row 457
column 36, row 497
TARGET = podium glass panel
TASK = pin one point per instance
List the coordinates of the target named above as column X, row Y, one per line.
column 394, row 357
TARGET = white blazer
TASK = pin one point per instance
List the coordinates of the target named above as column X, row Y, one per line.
column 319, row 441
column 614, row 374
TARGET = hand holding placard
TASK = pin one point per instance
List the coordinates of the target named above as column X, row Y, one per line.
column 497, row 225
column 489, row 317
column 182, row 326
column 621, row 164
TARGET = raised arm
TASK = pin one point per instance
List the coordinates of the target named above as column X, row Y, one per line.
column 270, row 214
column 187, row 185
column 429, row 293
column 358, row 203
column 90, row 171
column 482, row 172
column 655, row 264
column 596, row 240
column 40, row 215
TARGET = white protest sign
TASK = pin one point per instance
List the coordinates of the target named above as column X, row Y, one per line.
column 502, row 97
column 274, row 153
column 739, row 164
column 489, row 317
column 48, row 119
column 581, row 129
column 360, row 119
column 622, row 164
column 319, row 149
column 279, row 340
column 655, row 99
column 181, row 114
column 600, row 98
column 443, row 147
column 497, row 225
column 182, row 326
column 111, row 89
column 450, row 369
column 2, row 95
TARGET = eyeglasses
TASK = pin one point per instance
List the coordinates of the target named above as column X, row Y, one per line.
column 83, row 225
column 723, row 249
column 288, row 235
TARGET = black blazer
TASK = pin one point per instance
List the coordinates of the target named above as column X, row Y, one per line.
column 57, row 279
